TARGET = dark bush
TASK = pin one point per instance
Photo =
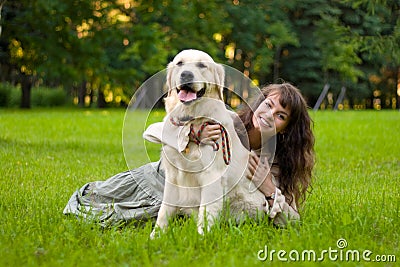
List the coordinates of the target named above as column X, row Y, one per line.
column 15, row 99
column 5, row 94
column 48, row 97
column 10, row 96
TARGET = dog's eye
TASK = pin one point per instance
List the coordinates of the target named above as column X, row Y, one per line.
column 201, row 65
column 180, row 63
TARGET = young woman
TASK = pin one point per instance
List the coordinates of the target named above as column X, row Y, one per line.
column 137, row 194
column 285, row 183
column 285, row 186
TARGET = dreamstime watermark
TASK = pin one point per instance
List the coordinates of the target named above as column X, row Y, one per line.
column 338, row 253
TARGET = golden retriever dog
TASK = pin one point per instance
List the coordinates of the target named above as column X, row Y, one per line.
column 201, row 178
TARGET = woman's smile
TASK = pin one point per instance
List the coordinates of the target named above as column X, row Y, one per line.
column 271, row 115
column 265, row 122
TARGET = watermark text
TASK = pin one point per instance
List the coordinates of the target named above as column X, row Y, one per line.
column 338, row 253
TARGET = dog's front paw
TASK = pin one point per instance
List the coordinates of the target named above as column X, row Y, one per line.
column 155, row 233
column 200, row 230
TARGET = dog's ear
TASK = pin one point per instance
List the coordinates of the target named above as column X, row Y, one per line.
column 168, row 81
column 171, row 100
column 219, row 74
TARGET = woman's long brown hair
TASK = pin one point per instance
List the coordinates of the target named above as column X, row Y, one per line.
column 295, row 147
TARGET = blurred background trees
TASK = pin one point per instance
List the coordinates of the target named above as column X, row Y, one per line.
column 99, row 52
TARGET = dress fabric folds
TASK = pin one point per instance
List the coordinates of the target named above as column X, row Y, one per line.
column 133, row 195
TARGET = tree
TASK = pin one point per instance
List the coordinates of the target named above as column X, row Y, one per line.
column 2, row 2
column 104, row 50
column 302, row 64
column 40, row 48
column 364, row 33
column 379, row 43
column 258, row 30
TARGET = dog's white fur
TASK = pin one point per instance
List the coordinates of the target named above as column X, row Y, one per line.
column 197, row 179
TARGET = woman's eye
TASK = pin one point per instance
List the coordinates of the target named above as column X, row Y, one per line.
column 282, row 117
column 268, row 104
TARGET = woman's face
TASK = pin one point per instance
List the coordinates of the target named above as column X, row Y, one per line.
column 268, row 113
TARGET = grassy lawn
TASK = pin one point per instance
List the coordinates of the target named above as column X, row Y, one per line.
column 46, row 154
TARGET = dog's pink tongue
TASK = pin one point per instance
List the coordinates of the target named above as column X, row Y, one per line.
column 185, row 96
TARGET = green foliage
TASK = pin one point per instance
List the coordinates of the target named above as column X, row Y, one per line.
column 41, row 96
column 5, row 94
column 46, row 155
column 342, row 45
column 115, row 46
column 302, row 64
column 48, row 97
column 10, row 96
column 339, row 53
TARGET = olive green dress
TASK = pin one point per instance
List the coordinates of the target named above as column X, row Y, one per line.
column 133, row 195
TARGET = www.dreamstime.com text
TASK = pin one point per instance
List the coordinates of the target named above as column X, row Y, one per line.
column 338, row 253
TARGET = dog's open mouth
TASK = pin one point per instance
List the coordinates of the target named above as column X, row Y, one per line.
column 187, row 94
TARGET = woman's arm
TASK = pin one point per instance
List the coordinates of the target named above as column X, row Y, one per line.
column 157, row 133
column 261, row 175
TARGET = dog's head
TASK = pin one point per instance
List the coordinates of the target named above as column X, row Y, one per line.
column 193, row 74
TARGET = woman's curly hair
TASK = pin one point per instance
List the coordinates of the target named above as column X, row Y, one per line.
column 294, row 153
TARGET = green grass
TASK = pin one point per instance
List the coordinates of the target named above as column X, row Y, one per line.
column 46, row 154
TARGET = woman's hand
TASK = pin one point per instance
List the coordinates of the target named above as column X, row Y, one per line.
column 258, row 171
column 210, row 133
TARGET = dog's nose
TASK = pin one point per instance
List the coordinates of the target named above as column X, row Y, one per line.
column 187, row 76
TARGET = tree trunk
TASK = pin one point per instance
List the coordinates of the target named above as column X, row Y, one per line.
column 101, row 102
column 1, row 8
column 277, row 60
column 26, row 86
column 82, row 94
column 397, row 93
